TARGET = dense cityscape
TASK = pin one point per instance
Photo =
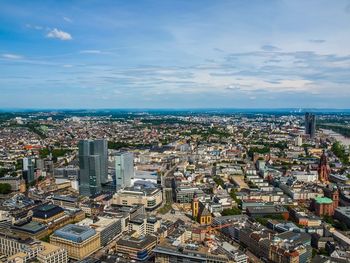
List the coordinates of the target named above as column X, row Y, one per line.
column 174, row 131
column 174, row 186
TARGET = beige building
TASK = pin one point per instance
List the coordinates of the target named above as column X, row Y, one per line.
column 47, row 253
column 79, row 241
column 150, row 198
column 21, row 250
column 137, row 248
column 17, row 184
column 52, row 254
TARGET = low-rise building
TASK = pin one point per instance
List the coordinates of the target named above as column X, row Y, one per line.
column 343, row 214
column 137, row 248
column 18, row 249
column 191, row 253
column 323, row 206
column 30, row 229
column 47, row 213
column 261, row 211
column 151, row 198
column 79, row 241
column 17, row 184
column 185, row 194
column 108, row 228
column 52, row 254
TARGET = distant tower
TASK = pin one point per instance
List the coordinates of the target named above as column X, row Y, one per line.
column 310, row 124
column 323, row 168
column 331, row 191
column 195, row 206
column 335, row 198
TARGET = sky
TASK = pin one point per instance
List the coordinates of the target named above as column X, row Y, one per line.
column 175, row 54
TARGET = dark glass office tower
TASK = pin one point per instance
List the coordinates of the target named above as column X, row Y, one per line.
column 310, row 124
column 93, row 166
column 101, row 149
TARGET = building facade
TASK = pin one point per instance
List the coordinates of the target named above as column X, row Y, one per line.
column 79, row 241
column 93, row 163
column 150, row 198
column 310, row 124
column 124, row 169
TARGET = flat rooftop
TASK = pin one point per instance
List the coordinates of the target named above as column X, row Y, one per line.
column 138, row 243
column 31, row 227
column 75, row 233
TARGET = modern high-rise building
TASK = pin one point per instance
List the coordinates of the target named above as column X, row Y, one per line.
column 101, row 148
column 29, row 169
column 124, row 169
column 93, row 164
column 310, row 124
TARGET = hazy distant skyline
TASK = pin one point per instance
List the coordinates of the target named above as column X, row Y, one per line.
column 175, row 54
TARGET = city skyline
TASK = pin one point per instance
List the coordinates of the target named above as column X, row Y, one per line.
column 174, row 54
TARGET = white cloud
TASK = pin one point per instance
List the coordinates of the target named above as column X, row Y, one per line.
column 36, row 27
column 67, row 19
column 91, row 51
column 11, row 56
column 59, row 34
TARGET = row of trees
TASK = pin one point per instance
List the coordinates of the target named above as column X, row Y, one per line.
column 339, row 150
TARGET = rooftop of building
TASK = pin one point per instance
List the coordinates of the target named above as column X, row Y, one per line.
column 99, row 224
column 136, row 242
column 345, row 210
column 186, row 250
column 48, row 248
column 266, row 209
column 46, row 211
column 65, row 198
column 323, row 200
column 75, row 233
column 31, row 227
column 295, row 237
column 138, row 191
column 13, row 236
column 139, row 219
column 90, row 260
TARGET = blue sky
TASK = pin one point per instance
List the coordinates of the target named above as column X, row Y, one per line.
column 175, row 54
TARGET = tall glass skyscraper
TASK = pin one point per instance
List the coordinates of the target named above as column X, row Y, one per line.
column 29, row 169
column 93, row 165
column 124, row 169
column 310, row 124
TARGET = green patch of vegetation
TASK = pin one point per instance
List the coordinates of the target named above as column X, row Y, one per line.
column 218, row 181
column 264, row 220
column 231, row 212
column 260, row 150
column 46, row 239
column 165, row 209
column 233, row 195
column 5, row 188
column 335, row 223
column 118, row 145
column 55, row 152
column 252, row 185
column 339, row 150
column 4, row 171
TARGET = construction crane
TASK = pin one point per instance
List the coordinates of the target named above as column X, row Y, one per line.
column 209, row 229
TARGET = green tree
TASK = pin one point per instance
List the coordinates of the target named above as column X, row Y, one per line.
column 231, row 212
column 5, row 188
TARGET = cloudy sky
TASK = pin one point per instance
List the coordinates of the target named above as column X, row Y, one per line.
column 175, row 54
